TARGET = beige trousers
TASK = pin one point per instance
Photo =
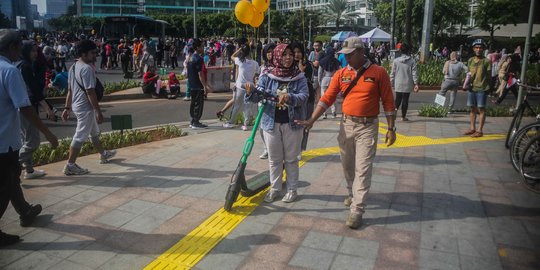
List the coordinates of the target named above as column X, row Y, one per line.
column 358, row 145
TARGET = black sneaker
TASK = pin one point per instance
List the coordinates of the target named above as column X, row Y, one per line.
column 198, row 126
column 30, row 215
column 8, row 239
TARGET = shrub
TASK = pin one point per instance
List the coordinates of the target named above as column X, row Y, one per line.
column 430, row 110
column 45, row 154
column 119, row 86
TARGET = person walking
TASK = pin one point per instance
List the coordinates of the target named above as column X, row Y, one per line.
column 247, row 69
column 197, row 84
column 328, row 65
column 14, row 102
column 452, row 70
column 404, row 79
column 480, row 71
column 29, row 133
column 81, row 99
column 282, row 135
column 363, row 86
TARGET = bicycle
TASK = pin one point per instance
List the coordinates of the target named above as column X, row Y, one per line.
column 521, row 139
column 516, row 121
column 530, row 165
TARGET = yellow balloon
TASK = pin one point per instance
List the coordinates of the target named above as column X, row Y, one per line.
column 261, row 5
column 258, row 18
column 244, row 11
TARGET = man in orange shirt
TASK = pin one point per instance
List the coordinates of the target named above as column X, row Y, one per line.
column 359, row 125
column 136, row 55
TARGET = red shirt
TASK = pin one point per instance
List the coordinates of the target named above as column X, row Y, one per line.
column 148, row 77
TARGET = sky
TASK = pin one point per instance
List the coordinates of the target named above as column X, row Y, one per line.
column 41, row 6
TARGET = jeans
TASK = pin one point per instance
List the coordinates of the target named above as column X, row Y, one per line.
column 197, row 105
column 30, row 135
column 10, row 183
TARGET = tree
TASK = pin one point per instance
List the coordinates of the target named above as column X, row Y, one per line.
column 4, row 21
column 490, row 14
column 337, row 11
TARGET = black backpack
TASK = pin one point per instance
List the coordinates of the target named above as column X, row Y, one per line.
column 99, row 89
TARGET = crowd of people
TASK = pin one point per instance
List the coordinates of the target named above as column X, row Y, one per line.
column 298, row 84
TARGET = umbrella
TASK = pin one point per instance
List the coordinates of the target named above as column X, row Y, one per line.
column 343, row 35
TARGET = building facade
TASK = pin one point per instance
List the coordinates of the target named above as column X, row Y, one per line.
column 57, row 8
column 19, row 12
column 101, row 8
column 361, row 10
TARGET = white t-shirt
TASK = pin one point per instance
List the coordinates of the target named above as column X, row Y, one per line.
column 246, row 71
column 84, row 75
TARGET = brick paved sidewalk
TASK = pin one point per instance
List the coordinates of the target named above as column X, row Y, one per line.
column 453, row 206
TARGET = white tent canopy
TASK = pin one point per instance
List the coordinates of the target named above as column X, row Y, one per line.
column 376, row 35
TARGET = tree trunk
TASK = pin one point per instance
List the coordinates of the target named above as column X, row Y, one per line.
column 491, row 33
column 337, row 24
column 408, row 25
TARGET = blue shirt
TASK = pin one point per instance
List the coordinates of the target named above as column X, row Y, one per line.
column 13, row 96
column 61, row 80
column 342, row 60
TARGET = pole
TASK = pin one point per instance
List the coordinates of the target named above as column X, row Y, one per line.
column 426, row 30
column 310, row 44
column 92, row 8
column 408, row 19
column 194, row 19
column 120, row 7
column 526, row 53
column 393, row 41
column 269, row 25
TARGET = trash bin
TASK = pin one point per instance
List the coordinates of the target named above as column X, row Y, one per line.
column 219, row 78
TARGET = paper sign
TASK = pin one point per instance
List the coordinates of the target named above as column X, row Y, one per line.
column 440, row 100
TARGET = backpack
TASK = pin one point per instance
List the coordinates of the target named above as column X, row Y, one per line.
column 99, row 89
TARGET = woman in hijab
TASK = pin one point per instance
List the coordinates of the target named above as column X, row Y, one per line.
column 328, row 66
column 452, row 71
column 282, row 135
column 30, row 134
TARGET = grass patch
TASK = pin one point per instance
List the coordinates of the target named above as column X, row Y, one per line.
column 430, row 110
column 45, row 154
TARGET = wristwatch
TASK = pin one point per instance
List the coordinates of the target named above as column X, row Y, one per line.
column 392, row 129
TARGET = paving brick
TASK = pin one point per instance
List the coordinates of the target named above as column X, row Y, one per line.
column 143, row 224
column 401, row 255
column 11, row 254
column 65, row 246
column 346, row 262
column 162, row 212
column 290, row 235
column 116, row 218
column 92, row 256
column 137, row 206
column 298, row 221
column 89, row 196
column 359, row 248
column 439, row 243
column 477, row 248
column 475, row 263
column 275, row 252
column 260, row 264
column 34, row 260
column 312, row 258
column 430, row 259
column 322, row 241
column 67, row 265
column 220, row 261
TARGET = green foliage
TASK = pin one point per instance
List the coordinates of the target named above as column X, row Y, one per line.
column 488, row 13
column 430, row 73
column 323, row 38
column 533, row 74
column 119, row 86
column 70, row 23
column 430, row 110
column 45, row 154
column 336, row 12
column 498, row 111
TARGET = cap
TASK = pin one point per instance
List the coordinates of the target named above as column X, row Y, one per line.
column 479, row 42
column 351, row 44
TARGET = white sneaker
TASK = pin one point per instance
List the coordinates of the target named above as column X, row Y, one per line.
column 107, row 154
column 187, row 98
column 264, row 155
column 324, row 116
column 74, row 170
column 35, row 174
column 228, row 125
column 245, row 128
column 271, row 195
column 290, row 196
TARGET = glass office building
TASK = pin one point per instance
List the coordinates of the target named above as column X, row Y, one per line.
column 101, row 8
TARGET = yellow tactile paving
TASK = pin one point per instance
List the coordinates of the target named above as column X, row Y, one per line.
column 195, row 245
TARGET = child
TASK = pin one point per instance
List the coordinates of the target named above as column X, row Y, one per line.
column 174, row 86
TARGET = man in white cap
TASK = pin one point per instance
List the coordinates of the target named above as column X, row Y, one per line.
column 364, row 86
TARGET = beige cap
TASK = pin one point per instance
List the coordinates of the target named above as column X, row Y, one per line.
column 351, row 44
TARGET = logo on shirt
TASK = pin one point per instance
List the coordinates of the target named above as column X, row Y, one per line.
column 369, row 79
column 346, row 79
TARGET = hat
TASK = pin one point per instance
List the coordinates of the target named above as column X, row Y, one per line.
column 135, row 39
column 351, row 44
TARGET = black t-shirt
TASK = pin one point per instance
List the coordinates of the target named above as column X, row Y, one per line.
column 193, row 68
column 308, row 72
column 282, row 113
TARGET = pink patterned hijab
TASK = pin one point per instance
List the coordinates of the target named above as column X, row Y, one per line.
column 277, row 58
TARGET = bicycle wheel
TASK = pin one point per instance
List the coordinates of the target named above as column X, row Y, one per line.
column 523, row 136
column 530, row 165
column 514, row 126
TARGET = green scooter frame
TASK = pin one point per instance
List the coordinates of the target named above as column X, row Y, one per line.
column 238, row 184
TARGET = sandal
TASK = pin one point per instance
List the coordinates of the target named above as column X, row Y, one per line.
column 477, row 134
column 220, row 115
column 470, row 132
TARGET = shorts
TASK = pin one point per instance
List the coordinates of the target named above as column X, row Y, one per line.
column 86, row 126
column 476, row 99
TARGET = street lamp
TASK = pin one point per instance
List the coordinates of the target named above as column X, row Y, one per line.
column 194, row 19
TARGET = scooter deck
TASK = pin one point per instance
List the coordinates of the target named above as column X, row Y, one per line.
column 256, row 184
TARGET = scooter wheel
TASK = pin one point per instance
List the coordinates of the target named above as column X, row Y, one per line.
column 230, row 198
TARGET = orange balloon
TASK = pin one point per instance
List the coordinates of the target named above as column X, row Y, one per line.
column 258, row 18
column 261, row 5
column 244, row 11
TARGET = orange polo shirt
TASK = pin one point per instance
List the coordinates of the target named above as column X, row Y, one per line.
column 365, row 97
column 137, row 48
